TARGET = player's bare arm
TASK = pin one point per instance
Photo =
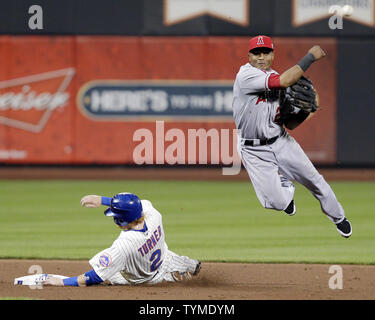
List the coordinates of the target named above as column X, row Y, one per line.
column 57, row 282
column 292, row 75
column 94, row 201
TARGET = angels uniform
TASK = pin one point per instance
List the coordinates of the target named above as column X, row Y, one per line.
column 142, row 256
column 270, row 155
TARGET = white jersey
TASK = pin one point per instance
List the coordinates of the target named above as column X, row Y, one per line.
column 136, row 254
column 255, row 106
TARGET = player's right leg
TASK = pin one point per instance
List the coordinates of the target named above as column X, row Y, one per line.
column 118, row 279
column 287, row 184
column 273, row 191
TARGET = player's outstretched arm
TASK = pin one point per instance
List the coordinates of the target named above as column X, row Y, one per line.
column 91, row 201
column 83, row 280
column 53, row 281
column 292, row 75
column 94, row 201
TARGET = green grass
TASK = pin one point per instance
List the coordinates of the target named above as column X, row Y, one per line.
column 211, row 221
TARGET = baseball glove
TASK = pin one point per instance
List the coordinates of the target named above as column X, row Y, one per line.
column 301, row 95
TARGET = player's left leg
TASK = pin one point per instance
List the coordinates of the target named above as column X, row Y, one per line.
column 176, row 268
column 295, row 164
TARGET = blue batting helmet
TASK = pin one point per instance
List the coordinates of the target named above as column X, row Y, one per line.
column 125, row 208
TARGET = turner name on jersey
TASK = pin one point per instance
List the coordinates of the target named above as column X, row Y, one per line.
column 151, row 242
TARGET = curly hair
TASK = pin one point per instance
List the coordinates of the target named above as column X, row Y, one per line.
column 132, row 224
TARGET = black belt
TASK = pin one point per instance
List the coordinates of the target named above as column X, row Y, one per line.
column 260, row 142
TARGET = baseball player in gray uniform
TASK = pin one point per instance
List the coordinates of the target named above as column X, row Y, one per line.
column 139, row 255
column 272, row 158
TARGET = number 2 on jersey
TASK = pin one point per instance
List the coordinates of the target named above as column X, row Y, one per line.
column 155, row 257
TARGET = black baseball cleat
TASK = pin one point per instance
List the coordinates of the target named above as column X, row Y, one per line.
column 188, row 275
column 344, row 228
column 197, row 269
column 291, row 209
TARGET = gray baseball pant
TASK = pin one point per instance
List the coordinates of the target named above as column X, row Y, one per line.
column 271, row 169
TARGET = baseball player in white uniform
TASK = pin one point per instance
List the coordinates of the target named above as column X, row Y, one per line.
column 270, row 155
column 139, row 255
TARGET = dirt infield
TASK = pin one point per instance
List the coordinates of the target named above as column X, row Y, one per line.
column 160, row 173
column 217, row 281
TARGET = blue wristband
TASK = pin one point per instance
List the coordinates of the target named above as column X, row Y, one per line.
column 73, row 281
column 91, row 277
column 106, row 201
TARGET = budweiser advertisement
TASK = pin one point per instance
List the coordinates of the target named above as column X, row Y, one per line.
column 36, row 105
column 139, row 100
column 28, row 102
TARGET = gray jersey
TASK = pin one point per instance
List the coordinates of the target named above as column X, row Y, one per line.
column 271, row 168
column 255, row 106
column 136, row 254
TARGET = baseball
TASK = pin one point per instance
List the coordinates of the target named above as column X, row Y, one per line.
column 347, row 10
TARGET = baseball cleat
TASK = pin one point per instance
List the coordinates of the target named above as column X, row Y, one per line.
column 291, row 209
column 180, row 276
column 344, row 228
column 197, row 269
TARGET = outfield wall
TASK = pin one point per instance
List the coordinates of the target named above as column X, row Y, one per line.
column 95, row 100
column 76, row 86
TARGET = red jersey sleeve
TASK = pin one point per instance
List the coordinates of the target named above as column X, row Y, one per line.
column 274, row 81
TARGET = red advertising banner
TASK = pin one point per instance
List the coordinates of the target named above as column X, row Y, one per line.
column 134, row 100
column 36, row 105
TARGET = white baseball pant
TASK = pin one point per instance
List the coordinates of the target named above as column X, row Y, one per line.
column 174, row 268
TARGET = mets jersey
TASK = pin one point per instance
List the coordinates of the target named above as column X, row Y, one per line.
column 255, row 104
column 135, row 254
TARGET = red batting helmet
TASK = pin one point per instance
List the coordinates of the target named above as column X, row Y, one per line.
column 261, row 42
